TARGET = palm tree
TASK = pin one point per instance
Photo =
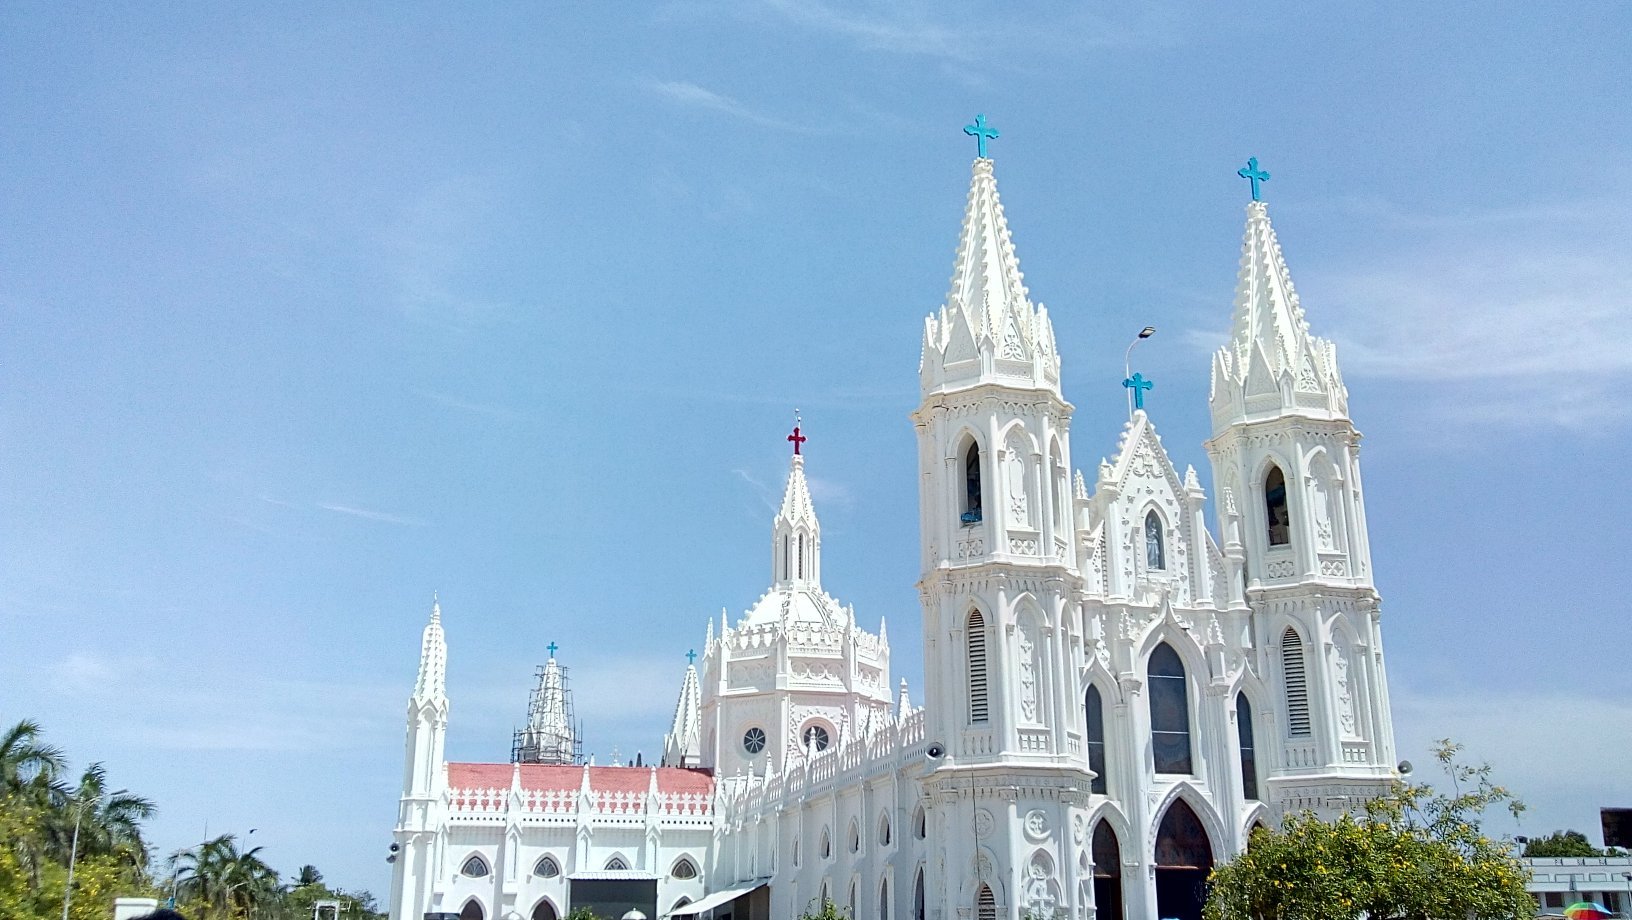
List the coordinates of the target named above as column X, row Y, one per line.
column 23, row 758
column 108, row 822
column 227, row 882
column 308, row 876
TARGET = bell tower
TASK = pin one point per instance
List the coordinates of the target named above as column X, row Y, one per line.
column 999, row 574
column 1286, row 462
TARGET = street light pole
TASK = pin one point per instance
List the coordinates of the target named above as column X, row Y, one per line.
column 1127, row 360
column 73, row 854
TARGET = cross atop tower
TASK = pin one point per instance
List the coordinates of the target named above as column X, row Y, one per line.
column 981, row 132
column 1138, row 384
column 1253, row 174
column 552, row 647
column 691, row 656
column 796, row 437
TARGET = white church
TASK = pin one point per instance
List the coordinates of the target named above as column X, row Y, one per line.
column 1115, row 694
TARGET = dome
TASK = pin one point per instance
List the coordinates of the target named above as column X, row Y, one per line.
column 796, row 606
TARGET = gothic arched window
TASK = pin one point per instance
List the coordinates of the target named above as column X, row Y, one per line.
column 884, row 900
column 985, row 904
column 547, row 868
column 920, row 824
column 1155, row 545
column 918, row 895
column 683, row 868
column 616, row 864
column 1276, row 514
column 976, row 641
column 801, row 557
column 1169, row 711
column 1094, row 709
column 884, row 830
column 971, row 485
column 1249, row 760
column 1297, row 684
column 474, row 867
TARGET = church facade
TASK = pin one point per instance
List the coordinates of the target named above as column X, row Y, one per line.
column 1114, row 696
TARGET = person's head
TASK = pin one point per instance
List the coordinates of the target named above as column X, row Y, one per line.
column 163, row 913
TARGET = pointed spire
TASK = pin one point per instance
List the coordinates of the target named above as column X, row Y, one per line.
column 432, row 684
column 988, row 316
column 1272, row 364
column 549, row 737
column 903, row 706
column 796, row 534
column 682, row 746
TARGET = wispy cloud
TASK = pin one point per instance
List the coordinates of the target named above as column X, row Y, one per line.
column 691, row 95
column 465, row 405
column 963, row 32
column 371, row 515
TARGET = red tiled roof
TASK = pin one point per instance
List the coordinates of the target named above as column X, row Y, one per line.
column 601, row 779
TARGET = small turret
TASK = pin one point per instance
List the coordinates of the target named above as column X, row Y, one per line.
column 682, row 746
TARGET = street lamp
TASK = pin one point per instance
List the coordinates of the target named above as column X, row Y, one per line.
column 73, row 855
column 1127, row 358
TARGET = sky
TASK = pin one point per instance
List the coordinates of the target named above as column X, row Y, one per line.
column 311, row 310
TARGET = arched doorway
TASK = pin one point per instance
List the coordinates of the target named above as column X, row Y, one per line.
column 544, row 910
column 1107, row 873
column 1183, row 858
column 471, row 911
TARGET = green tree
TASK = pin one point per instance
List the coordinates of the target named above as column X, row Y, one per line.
column 824, row 910
column 23, row 758
column 1562, row 843
column 104, row 821
column 1415, row 854
column 221, row 882
column 308, row 875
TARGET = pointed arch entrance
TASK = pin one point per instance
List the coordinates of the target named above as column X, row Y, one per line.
column 1184, row 856
column 1107, row 873
column 544, row 910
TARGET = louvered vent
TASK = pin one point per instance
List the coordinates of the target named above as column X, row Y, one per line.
column 1297, row 684
column 977, row 667
column 985, row 905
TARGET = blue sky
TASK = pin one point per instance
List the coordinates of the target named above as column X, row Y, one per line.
column 311, row 310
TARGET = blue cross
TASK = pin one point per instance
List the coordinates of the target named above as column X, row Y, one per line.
column 691, row 657
column 1253, row 174
column 981, row 132
column 552, row 647
column 1138, row 384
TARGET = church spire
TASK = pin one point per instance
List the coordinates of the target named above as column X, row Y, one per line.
column 548, row 737
column 797, row 537
column 682, row 746
column 988, row 325
column 1272, row 364
column 432, row 684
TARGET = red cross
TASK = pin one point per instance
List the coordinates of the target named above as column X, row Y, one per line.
column 797, row 440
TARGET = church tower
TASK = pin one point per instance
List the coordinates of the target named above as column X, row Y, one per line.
column 999, row 575
column 797, row 676
column 423, row 778
column 1286, row 467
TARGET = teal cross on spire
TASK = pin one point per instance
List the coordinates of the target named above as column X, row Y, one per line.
column 552, row 647
column 981, row 132
column 1253, row 174
column 1138, row 384
column 691, row 656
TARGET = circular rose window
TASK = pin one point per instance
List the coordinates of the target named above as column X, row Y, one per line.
column 753, row 740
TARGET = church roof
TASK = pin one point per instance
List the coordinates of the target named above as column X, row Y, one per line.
column 788, row 605
column 571, row 778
